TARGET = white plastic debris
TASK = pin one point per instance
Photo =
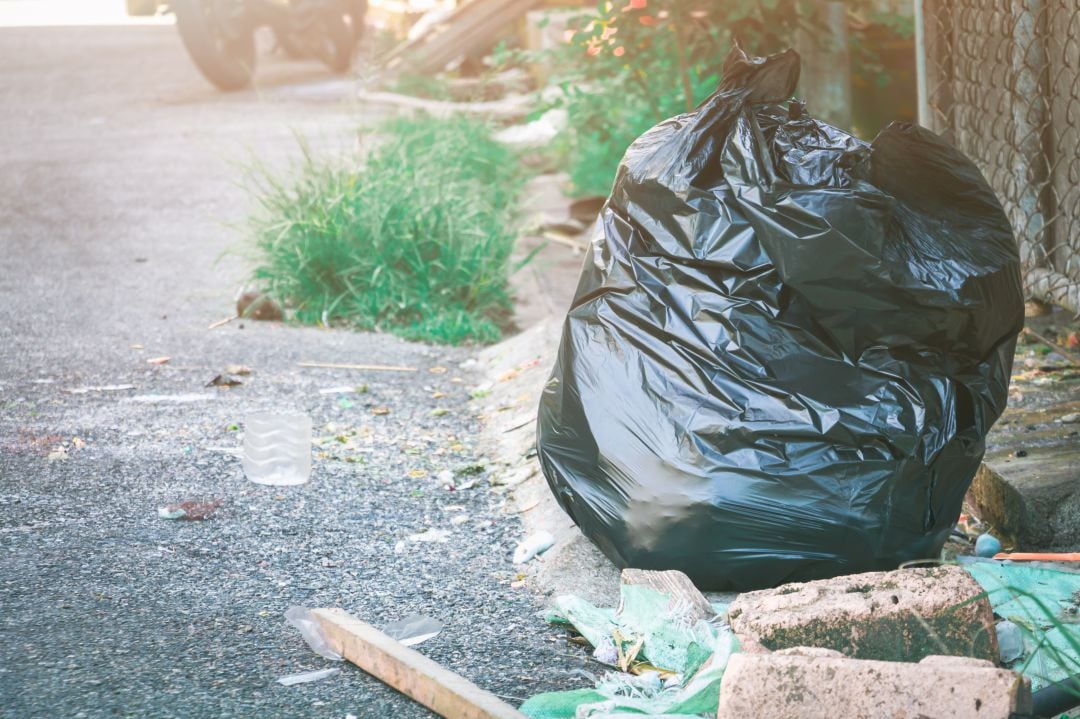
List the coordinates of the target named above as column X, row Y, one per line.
column 413, row 629
column 305, row 677
column 309, row 628
column 431, row 535
column 535, row 134
column 1010, row 641
column 534, row 545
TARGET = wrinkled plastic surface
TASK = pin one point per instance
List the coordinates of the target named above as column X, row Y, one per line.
column 413, row 629
column 648, row 626
column 786, row 347
column 1042, row 602
column 311, row 631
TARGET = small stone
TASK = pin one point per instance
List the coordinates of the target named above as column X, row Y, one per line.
column 1070, row 418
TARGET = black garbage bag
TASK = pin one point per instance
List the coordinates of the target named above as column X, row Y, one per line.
column 787, row 345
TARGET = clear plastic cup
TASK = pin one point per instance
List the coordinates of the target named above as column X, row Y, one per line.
column 277, row 448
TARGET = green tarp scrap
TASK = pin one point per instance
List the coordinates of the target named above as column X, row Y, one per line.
column 1045, row 604
column 691, row 654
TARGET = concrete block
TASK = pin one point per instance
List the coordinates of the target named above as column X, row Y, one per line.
column 1033, row 501
column 817, row 684
column 899, row 616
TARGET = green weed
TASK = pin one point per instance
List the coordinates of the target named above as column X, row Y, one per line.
column 417, row 241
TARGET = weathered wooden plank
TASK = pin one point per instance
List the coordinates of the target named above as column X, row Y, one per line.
column 472, row 26
column 409, row 672
column 683, row 592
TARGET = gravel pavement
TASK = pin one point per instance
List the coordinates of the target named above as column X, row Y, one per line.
column 117, row 197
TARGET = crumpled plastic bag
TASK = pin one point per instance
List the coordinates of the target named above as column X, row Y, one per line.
column 787, row 345
column 663, row 634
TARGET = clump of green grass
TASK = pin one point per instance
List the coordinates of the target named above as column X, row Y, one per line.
column 417, row 241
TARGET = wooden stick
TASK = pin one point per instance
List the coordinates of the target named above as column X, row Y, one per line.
column 408, row 671
column 1039, row 556
column 371, row 367
column 222, row 323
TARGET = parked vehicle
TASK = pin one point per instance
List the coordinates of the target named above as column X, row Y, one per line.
column 220, row 34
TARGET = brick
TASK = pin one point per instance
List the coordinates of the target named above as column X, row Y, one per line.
column 899, row 616
column 818, row 684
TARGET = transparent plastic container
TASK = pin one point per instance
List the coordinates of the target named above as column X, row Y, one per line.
column 277, row 448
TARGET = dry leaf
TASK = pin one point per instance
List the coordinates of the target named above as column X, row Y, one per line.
column 438, row 370
column 379, row 411
column 158, row 360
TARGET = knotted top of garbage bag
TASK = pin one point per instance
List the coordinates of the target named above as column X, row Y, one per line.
column 767, row 79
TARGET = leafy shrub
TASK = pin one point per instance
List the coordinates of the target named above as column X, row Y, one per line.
column 630, row 64
column 417, row 241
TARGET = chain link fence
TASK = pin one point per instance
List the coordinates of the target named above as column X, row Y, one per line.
column 1001, row 80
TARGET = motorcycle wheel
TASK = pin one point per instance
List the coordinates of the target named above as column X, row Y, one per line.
column 335, row 42
column 223, row 51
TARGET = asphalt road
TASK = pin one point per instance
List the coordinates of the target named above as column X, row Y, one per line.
column 119, row 206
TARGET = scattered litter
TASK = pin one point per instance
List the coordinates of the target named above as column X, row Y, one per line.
column 535, row 134
column 58, row 455
column 345, row 403
column 1043, row 603
column 408, row 671
column 1010, row 641
column 445, row 477
column 481, row 391
column 158, row 360
column 1070, row 418
column 431, row 535
column 439, row 412
column 220, row 323
column 310, row 630
column 987, row 545
column 536, row 544
column 170, row 398
column 369, row 367
column 413, row 630
column 380, row 411
column 102, row 388
column 277, row 448
column 255, row 305
column 337, row 390
column 78, row 443
column 438, row 370
column 305, row 677
column 458, row 519
column 238, row 369
column 417, row 473
column 679, row 662
column 224, row 380
column 190, row 510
